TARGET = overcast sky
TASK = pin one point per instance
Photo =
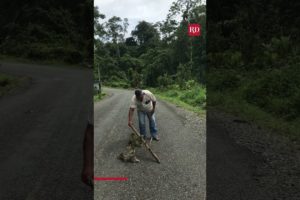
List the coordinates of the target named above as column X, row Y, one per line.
column 135, row 10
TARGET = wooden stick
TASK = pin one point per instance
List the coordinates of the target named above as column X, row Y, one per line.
column 145, row 143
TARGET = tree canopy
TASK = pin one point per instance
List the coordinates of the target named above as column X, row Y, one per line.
column 46, row 30
column 156, row 53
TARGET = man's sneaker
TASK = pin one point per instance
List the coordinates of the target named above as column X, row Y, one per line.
column 155, row 138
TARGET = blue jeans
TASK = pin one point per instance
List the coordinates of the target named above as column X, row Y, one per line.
column 142, row 123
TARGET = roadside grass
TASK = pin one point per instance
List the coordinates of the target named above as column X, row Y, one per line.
column 7, row 84
column 192, row 99
column 99, row 97
column 270, row 99
column 233, row 104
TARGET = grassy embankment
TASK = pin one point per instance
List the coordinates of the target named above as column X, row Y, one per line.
column 268, row 97
column 193, row 98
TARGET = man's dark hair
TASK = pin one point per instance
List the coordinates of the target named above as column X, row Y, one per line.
column 138, row 93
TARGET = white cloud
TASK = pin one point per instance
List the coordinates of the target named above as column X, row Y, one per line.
column 135, row 10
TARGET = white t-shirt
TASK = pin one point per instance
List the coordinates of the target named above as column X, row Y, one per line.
column 146, row 105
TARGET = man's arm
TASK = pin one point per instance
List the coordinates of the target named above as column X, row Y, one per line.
column 154, row 104
column 153, row 99
column 130, row 115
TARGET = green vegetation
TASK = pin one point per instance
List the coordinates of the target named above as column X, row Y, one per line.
column 157, row 55
column 269, row 97
column 7, row 83
column 192, row 98
column 53, row 31
column 98, row 97
column 254, row 63
column 233, row 103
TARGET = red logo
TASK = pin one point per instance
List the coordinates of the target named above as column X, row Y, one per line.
column 194, row 30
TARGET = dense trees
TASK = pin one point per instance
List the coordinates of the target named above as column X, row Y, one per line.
column 155, row 54
column 55, row 29
column 253, row 57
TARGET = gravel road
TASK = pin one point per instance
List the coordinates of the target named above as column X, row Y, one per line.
column 246, row 161
column 41, row 133
column 182, row 150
